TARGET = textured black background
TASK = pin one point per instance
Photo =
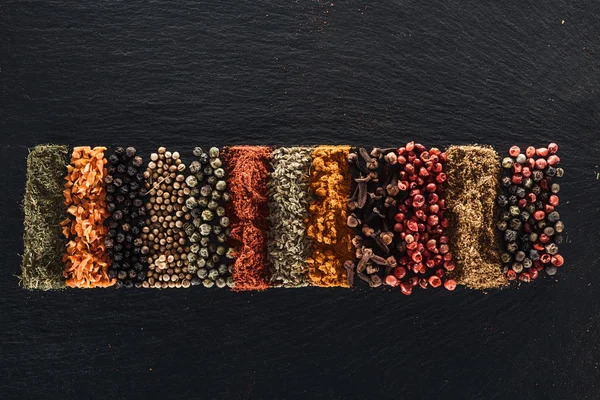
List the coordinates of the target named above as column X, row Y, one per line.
column 303, row 72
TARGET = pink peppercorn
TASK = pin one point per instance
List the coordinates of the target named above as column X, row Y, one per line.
column 450, row 284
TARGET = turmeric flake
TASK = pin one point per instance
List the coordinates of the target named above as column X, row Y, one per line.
column 330, row 186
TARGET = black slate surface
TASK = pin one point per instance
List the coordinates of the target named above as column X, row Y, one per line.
column 304, row 72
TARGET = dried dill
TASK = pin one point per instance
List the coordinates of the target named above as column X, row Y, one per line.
column 42, row 268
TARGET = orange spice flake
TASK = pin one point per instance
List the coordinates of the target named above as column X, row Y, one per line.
column 330, row 187
column 86, row 261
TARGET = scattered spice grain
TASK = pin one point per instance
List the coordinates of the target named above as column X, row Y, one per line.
column 42, row 267
column 247, row 168
column 164, row 239
column 472, row 182
column 86, row 260
column 289, row 245
column 331, row 244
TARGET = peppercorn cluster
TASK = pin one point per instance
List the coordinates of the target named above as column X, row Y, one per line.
column 209, row 256
column 164, row 237
column 125, row 203
column 529, row 223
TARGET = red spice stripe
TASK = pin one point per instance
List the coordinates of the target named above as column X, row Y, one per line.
column 247, row 168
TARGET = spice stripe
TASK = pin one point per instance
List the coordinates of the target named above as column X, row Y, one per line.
column 330, row 186
column 41, row 267
column 247, row 167
column 289, row 245
column 472, row 183
column 86, row 260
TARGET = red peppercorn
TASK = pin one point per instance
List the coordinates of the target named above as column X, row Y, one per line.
column 517, row 179
column 417, row 257
column 517, row 168
column 526, row 172
column 545, row 258
column 514, row 151
column 539, row 215
column 553, row 160
column 412, row 225
column 450, row 284
column 432, row 220
column 557, row 260
column 391, row 280
column 544, row 238
column 440, row 272
column 531, row 197
column 553, row 200
column 538, row 246
column 511, row 275
column 434, row 281
column 440, row 178
column 541, row 163
column 548, row 208
column 533, row 273
column 434, row 208
column 410, row 146
column 399, row 272
column 530, row 152
column 524, row 277
column 406, row 288
column 530, row 163
column 552, row 148
column 423, row 283
column 542, row 152
column 449, row 265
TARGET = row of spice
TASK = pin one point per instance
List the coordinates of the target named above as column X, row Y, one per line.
column 254, row 217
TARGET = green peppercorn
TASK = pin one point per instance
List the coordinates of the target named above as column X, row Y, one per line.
column 224, row 222
column 507, row 162
column 213, row 152
column 191, row 181
column 223, row 269
column 202, row 273
column 205, row 191
column 213, row 274
column 221, row 250
column 221, row 186
column 219, row 172
column 230, row 282
column 208, row 283
column 216, row 163
column 505, row 258
column 207, row 215
column 205, row 229
column 204, row 253
column 220, row 282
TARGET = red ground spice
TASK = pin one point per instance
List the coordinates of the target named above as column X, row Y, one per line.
column 247, row 168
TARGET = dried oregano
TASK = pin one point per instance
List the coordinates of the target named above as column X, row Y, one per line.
column 289, row 245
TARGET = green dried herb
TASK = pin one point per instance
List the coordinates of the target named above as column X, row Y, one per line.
column 289, row 245
column 42, row 267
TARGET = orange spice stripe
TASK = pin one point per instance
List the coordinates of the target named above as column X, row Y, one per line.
column 86, row 261
column 330, row 179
